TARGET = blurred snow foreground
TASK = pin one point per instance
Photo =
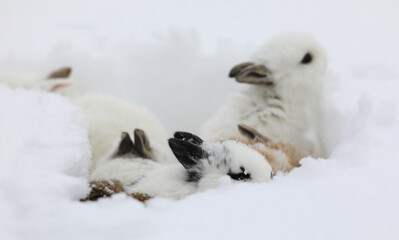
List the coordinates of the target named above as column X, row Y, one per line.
column 45, row 157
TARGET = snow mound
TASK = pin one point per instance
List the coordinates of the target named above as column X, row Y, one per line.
column 352, row 195
column 45, row 156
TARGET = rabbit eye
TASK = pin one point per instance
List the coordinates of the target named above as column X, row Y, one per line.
column 307, row 58
column 241, row 176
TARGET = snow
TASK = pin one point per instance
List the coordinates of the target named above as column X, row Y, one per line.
column 179, row 54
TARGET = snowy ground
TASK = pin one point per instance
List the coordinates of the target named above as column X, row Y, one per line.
column 179, row 53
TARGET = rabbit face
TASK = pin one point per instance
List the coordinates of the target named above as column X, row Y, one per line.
column 206, row 162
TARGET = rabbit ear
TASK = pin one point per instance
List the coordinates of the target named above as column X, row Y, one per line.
column 57, row 80
column 142, row 144
column 63, row 72
column 188, row 154
column 189, row 137
column 252, row 133
column 140, row 147
column 126, row 146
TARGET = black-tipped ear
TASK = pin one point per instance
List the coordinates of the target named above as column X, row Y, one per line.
column 126, row 146
column 187, row 153
column 188, row 137
column 142, row 144
column 252, row 133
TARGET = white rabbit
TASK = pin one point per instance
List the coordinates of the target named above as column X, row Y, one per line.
column 200, row 166
column 281, row 96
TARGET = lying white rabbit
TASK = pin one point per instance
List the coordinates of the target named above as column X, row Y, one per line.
column 200, row 166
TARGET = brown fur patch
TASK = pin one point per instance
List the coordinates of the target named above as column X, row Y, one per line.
column 269, row 149
column 107, row 188
column 293, row 153
column 104, row 188
column 142, row 197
